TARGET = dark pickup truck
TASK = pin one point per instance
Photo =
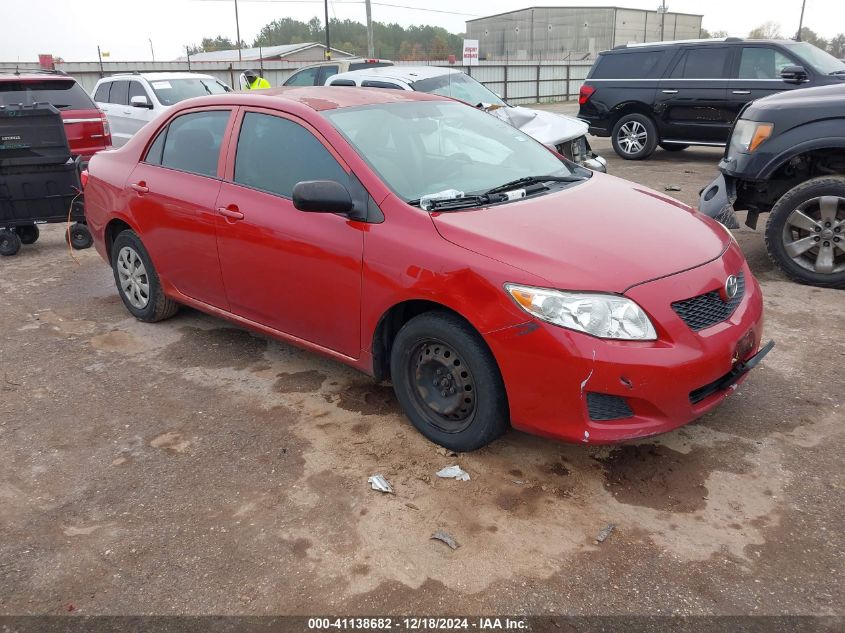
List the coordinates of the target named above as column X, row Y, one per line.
column 786, row 156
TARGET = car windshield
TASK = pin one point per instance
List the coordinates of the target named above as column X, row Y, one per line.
column 170, row 91
column 424, row 148
column 822, row 61
column 458, row 86
column 63, row 94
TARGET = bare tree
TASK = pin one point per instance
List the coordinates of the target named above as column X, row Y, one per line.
column 767, row 31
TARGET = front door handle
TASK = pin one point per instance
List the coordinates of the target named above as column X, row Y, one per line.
column 140, row 187
column 230, row 212
column 741, row 92
column 669, row 92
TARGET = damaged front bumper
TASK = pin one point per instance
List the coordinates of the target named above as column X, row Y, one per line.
column 717, row 199
column 578, row 150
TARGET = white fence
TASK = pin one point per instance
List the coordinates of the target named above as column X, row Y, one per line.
column 515, row 81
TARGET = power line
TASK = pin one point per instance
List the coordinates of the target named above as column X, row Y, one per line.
column 380, row 4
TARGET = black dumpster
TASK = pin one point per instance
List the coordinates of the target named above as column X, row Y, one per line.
column 39, row 179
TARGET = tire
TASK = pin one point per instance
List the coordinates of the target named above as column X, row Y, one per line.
column 79, row 237
column 672, row 147
column 28, row 234
column 805, row 233
column 635, row 125
column 472, row 409
column 137, row 281
column 10, row 242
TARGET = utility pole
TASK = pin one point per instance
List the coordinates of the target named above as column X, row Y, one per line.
column 662, row 10
column 328, row 39
column 238, row 30
column 152, row 52
column 371, row 49
column 801, row 21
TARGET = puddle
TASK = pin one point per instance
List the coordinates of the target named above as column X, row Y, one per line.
column 215, row 348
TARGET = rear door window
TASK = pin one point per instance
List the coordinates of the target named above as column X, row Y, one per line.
column 102, row 94
column 119, row 93
column 635, row 65
column 708, row 62
column 326, row 72
column 274, row 154
column 306, row 77
column 193, row 142
column 762, row 62
column 62, row 94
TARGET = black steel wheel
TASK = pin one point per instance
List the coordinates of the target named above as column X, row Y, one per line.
column 28, row 234
column 10, row 243
column 448, row 382
column 79, row 236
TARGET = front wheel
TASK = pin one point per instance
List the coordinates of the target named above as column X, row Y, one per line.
column 448, row 383
column 634, row 137
column 805, row 234
column 137, row 281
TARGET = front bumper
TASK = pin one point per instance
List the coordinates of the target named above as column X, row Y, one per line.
column 716, row 201
column 549, row 371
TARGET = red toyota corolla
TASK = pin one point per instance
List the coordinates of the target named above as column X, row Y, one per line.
column 421, row 240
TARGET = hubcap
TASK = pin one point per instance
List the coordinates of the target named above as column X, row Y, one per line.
column 632, row 137
column 814, row 235
column 443, row 385
column 132, row 274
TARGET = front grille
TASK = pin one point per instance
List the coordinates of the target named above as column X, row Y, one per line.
column 709, row 309
column 603, row 406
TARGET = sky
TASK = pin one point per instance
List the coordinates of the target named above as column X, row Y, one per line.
column 72, row 29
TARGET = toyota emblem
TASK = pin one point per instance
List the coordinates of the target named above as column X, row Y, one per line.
column 731, row 287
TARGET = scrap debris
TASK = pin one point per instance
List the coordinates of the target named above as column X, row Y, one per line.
column 453, row 472
column 602, row 537
column 671, row 188
column 447, row 538
column 379, row 483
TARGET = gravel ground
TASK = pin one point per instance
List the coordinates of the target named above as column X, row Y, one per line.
column 193, row 467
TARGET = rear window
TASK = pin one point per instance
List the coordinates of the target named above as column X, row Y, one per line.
column 63, row 94
column 634, row 65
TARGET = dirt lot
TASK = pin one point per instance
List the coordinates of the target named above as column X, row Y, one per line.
column 191, row 467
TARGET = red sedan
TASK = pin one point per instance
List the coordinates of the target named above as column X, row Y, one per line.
column 418, row 239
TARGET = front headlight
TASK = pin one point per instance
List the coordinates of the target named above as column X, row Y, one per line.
column 602, row 315
column 748, row 135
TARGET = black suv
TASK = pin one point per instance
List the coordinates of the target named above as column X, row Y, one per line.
column 677, row 94
column 787, row 156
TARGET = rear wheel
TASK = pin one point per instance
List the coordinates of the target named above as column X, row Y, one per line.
column 448, row 383
column 805, row 234
column 672, row 147
column 10, row 243
column 28, row 234
column 634, row 137
column 137, row 281
column 79, row 237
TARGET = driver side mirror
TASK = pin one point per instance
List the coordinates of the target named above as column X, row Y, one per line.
column 140, row 101
column 322, row 196
column 793, row 74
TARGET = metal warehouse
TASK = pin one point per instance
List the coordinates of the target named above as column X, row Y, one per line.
column 564, row 32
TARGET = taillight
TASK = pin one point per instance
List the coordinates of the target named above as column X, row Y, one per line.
column 83, row 178
column 585, row 93
column 106, row 129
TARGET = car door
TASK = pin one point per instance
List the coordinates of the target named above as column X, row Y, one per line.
column 138, row 116
column 756, row 74
column 296, row 272
column 118, row 112
column 691, row 102
column 173, row 191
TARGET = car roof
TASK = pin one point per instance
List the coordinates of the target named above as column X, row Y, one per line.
column 159, row 76
column 317, row 98
column 408, row 74
column 35, row 76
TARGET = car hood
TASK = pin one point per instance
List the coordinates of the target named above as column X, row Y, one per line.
column 546, row 127
column 605, row 234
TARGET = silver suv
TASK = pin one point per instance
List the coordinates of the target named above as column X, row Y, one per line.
column 132, row 100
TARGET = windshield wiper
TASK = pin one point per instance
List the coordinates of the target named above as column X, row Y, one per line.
column 530, row 180
column 446, row 204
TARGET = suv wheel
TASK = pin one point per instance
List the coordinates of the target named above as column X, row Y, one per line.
column 805, row 234
column 634, row 137
column 137, row 281
column 448, row 383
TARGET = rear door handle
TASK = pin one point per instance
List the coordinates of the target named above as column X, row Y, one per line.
column 669, row 92
column 127, row 112
column 741, row 92
column 230, row 212
column 140, row 187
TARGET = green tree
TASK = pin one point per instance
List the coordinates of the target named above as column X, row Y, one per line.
column 811, row 37
column 836, row 46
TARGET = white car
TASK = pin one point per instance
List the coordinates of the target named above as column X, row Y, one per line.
column 566, row 134
column 130, row 101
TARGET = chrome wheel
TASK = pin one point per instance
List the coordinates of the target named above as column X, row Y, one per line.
column 443, row 385
column 632, row 137
column 814, row 235
column 133, row 278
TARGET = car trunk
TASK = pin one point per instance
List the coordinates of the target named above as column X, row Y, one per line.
column 85, row 131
